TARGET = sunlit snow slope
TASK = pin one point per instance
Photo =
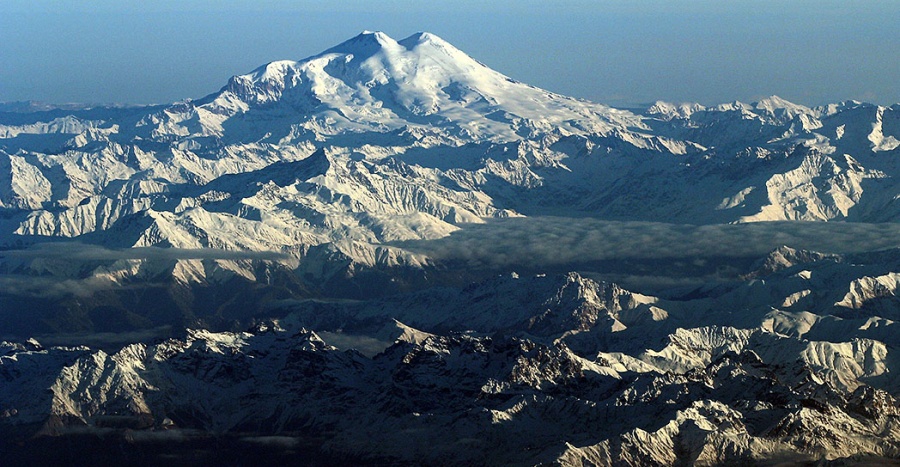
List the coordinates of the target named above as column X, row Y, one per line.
column 411, row 138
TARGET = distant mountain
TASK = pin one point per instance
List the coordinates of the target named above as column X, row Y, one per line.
column 412, row 138
column 240, row 274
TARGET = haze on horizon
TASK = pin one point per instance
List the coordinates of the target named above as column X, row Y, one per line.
column 608, row 51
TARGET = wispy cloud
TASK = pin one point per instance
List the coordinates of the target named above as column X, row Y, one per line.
column 51, row 287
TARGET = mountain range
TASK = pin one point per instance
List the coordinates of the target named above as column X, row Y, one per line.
column 274, row 265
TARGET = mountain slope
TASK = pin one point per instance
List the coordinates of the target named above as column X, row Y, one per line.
column 746, row 402
column 419, row 138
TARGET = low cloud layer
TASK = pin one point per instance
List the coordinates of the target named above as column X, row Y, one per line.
column 69, row 282
column 368, row 346
column 51, row 287
column 76, row 251
column 632, row 252
column 551, row 241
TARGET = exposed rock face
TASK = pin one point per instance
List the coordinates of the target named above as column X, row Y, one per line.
column 738, row 406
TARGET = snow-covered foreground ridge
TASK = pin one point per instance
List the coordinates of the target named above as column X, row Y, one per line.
column 527, row 385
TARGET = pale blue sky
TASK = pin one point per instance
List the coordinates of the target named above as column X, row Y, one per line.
column 611, row 51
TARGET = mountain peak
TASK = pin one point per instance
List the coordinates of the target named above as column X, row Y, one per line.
column 375, row 36
column 373, row 81
column 774, row 102
column 366, row 43
column 422, row 37
column 671, row 110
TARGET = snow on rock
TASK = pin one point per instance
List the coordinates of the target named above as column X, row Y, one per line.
column 745, row 396
column 379, row 140
column 866, row 289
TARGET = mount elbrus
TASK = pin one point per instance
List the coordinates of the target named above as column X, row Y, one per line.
column 282, row 219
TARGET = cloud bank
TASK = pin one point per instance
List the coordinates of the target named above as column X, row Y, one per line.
column 76, row 251
column 553, row 241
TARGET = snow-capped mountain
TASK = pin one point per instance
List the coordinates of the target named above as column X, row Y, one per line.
column 294, row 202
column 412, row 138
column 372, row 83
